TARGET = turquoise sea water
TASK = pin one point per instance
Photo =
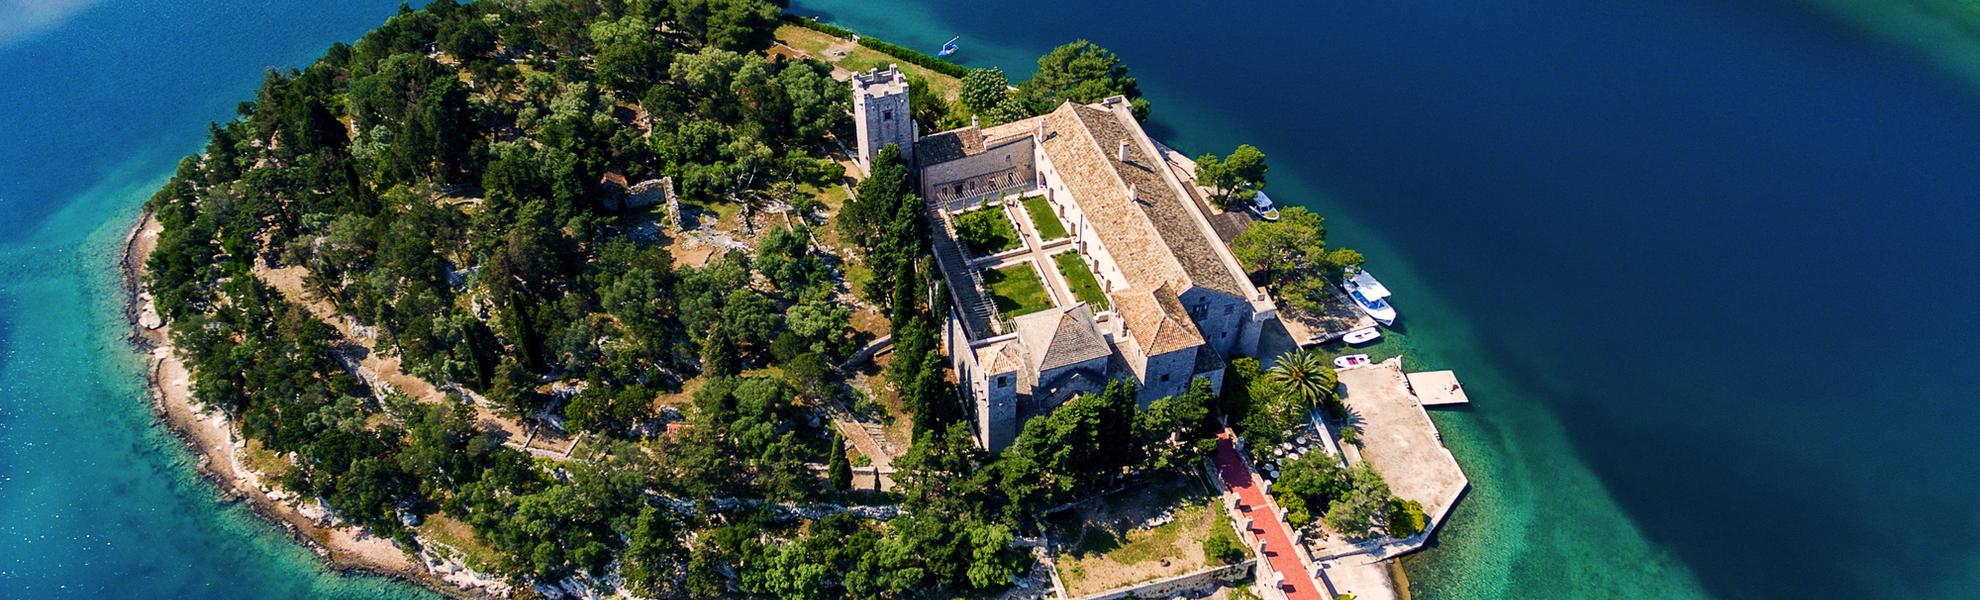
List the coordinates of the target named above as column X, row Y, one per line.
column 1706, row 268
column 98, row 100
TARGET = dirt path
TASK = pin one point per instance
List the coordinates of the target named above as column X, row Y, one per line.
column 376, row 368
column 854, row 430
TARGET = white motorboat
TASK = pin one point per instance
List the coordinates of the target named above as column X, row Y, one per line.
column 1351, row 360
column 1262, row 205
column 1370, row 296
column 1362, row 335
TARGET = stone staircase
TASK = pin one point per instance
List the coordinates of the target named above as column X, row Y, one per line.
column 973, row 304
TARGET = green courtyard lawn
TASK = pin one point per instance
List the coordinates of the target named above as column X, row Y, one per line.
column 1016, row 290
column 986, row 230
column 1081, row 280
column 1049, row 227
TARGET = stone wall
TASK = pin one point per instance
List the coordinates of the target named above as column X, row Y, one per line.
column 1194, row 584
column 1178, row 366
column 971, row 178
column 651, row 191
column 1221, row 317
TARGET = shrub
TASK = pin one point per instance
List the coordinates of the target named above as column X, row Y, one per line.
column 916, row 58
column 1295, row 505
column 1406, row 518
column 1222, row 547
column 986, row 231
column 826, row 28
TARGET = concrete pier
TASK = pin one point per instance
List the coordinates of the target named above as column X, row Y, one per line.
column 1437, row 388
column 1400, row 440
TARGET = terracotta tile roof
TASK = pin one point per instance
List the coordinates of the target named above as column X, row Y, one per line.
column 1060, row 337
column 1001, row 357
column 1147, row 174
column 1021, row 127
column 1156, row 319
column 613, row 177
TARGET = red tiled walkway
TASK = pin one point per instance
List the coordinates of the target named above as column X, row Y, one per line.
column 1265, row 526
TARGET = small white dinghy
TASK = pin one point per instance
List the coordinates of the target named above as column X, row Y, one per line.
column 1351, row 360
column 1362, row 336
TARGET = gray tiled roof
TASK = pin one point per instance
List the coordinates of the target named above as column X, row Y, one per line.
column 1075, row 341
column 1059, row 337
column 948, row 145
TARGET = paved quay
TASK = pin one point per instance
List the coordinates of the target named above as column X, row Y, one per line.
column 1400, row 440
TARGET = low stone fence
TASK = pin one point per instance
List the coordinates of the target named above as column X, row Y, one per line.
column 1195, row 584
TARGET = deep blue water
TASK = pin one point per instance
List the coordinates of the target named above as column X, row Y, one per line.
column 1706, row 268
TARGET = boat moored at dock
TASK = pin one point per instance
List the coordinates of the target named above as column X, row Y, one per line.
column 1370, row 296
column 1362, row 335
column 1262, row 206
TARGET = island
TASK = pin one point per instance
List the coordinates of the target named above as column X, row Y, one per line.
column 703, row 300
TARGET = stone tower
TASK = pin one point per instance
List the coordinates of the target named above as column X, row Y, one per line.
column 880, row 111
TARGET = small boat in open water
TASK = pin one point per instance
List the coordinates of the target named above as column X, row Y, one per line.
column 1362, row 335
column 1369, row 295
column 1262, row 206
column 1351, row 360
column 949, row 48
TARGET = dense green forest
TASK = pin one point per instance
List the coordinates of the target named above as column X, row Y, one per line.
column 438, row 182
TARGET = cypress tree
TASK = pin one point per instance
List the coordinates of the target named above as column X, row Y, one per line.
column 840, row 471
column 719, row 357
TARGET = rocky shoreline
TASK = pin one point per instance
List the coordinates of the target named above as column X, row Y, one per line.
column 212, row 439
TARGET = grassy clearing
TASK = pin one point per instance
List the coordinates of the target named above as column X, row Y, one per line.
column 832, row 195
column 861, row 58
column 1016, row 290
column 1084, row 286
column 725, row 212
column 264, row 461
column 446, row 530
column 1106, row 550
column 1042, row 217
column 655, row 212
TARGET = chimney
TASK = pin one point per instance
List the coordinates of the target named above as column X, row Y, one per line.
column 1134, row 193
column 1123, row 153
column 974, row 121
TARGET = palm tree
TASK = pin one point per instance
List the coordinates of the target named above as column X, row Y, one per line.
column 1305, row 373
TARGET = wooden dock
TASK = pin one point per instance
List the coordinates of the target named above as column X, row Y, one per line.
column 1437, row 388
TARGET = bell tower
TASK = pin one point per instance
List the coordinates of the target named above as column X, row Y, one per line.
column 881, row 114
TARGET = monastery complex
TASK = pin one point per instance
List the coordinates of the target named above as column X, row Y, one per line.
column 1178, row 302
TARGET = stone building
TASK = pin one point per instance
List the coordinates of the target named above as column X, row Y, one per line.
column 1178, row 302
column 881, row 116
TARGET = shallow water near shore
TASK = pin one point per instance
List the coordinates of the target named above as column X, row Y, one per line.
column 1706, row 270
column 97, row 499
